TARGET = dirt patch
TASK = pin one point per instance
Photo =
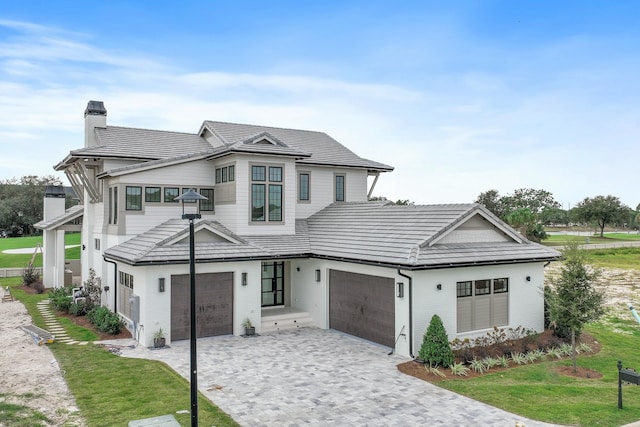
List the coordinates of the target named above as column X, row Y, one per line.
column 584, row 373
column 30, row 374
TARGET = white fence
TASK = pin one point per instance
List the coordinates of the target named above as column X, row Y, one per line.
column 17, row 271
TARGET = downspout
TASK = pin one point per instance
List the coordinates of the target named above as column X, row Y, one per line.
column 410, row 312
column 115, row 284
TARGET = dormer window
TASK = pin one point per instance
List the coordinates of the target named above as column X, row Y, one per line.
column 266, row 193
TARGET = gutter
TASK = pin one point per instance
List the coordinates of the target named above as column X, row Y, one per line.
column 400, row 273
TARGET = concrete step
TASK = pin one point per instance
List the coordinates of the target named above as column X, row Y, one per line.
column 285, row 321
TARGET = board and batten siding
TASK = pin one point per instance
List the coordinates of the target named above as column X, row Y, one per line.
column 474, row 230
column 322, row 189
column 200, row 173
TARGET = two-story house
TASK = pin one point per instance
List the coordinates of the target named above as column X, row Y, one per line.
column 288, row 238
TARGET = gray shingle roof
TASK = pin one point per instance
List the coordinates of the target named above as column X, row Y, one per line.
column 373, row 233
column 69, row 215
column 308, row 147
column 324, row 150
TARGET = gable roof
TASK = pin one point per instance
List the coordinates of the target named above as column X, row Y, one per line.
column 375, row 233
column 320, row 148
column 146, row 145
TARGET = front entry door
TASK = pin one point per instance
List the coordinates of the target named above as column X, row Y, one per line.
column 272, row 283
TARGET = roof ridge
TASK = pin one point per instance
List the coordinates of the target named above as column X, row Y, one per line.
column 268, row 127
column 149, row 130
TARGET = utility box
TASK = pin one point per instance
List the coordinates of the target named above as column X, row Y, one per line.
column 134, row 308
column 162, row 421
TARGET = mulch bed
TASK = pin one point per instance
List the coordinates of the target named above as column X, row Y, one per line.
column 418, row 370
column 83, row 321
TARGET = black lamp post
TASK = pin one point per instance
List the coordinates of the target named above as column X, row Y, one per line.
column 192, row 196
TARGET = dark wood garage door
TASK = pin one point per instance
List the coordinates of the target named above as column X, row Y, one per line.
column 214, row 305
column 362, row 305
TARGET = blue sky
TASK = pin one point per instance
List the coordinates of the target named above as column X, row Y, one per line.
column 460, row 97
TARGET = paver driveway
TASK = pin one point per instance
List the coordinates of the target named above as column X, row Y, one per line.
column 318, row 377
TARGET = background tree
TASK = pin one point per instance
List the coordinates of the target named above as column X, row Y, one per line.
column 492, row 200
column 21, row 202
column 523, row 209
column 554, row 216
column 572, row 301
column 602, row 211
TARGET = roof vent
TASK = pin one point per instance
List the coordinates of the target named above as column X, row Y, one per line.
column 95, row 108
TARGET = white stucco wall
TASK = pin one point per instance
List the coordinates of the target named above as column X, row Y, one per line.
column 155, row 306
column 526, row 299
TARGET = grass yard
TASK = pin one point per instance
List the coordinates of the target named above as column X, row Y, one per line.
column 22, row 260
column 112, row 390
column 540, row 392
column 563, row 239
column 625, row 258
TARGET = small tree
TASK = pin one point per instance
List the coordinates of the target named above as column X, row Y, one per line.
column 573, row 301
column 435, row 349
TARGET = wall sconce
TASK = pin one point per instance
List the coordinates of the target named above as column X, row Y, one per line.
column 439, row 286
column 317, row 275
column 297, row 268
column 528, row 278
column 161, row 284
column 244, row 279
column 400, row 293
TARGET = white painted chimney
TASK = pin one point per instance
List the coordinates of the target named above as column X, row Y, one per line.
column 95, row 116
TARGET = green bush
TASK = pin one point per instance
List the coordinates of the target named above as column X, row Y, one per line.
column 105, row 320
column 435, row 349
column 60, row 299
column 80, row 308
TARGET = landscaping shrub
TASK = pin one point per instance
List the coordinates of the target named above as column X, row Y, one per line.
column 60, row 299
column 105, row 320
column 38, row 287
column 80, row 308
column 30, row 275
column 435, row 349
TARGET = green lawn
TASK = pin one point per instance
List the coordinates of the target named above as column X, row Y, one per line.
column 22, row 260
column 563, row 239
column 112, row 390
column 539, row 392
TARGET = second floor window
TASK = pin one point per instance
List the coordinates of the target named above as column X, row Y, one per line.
column 170, row 194
column 303, row 186
column 206, row 205
column 266, row 193
column 340, row 189
column 133, row 198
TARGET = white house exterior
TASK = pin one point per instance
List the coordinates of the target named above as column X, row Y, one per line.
column 287, row 238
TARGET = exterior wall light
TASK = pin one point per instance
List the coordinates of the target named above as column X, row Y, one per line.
column 528, row 278
column 400, row 289
column 161, row 284
column 439, row 286
column 244, row 279
column 318, row 277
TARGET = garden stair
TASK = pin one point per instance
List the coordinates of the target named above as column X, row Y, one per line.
column 284, row 318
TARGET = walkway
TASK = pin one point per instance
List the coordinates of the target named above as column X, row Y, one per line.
column 53, row 326
column 316, row 377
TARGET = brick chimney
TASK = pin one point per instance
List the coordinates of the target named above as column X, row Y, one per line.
column 95, row 116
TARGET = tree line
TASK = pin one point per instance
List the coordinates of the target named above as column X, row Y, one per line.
column 21, row 204
column 529, row 210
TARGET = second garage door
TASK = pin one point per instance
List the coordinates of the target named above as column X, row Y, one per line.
column 214, row 305
column 362, row 305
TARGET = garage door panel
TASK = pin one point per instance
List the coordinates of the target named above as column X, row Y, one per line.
column 362, row 305
column 214, row 305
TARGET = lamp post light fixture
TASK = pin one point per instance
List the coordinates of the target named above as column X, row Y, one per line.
column 192, row 196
